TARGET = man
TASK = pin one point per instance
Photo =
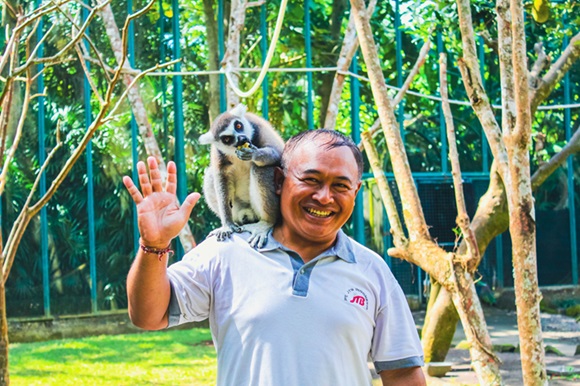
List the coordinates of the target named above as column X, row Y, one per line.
column 306, row 309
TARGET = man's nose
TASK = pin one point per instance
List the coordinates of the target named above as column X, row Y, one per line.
column 324, row 195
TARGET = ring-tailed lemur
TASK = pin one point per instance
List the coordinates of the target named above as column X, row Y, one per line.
column 239, row 182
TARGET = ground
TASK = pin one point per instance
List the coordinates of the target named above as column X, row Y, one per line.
column 559, row 331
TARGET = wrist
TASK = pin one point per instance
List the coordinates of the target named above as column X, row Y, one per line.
column 154, row 245
column 160, row 252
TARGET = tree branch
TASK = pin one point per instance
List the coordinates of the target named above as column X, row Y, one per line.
column 399, row 239
column 462, row 217
column 542, row 62
column 412, row 211
column 403, row 90
column 26, row 214
column 470, row 72
column 17, row 136
column 350, row 45
column 556, row 73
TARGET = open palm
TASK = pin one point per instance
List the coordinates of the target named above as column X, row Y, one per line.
column 159, row 216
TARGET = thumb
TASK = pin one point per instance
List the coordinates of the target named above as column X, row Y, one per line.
column 189, row 203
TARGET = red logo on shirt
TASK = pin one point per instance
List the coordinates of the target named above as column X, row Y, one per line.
column 357, row 297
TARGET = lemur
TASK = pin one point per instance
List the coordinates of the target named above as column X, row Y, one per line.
column 239, row 182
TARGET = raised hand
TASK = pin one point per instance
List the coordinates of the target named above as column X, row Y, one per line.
column 159, row 216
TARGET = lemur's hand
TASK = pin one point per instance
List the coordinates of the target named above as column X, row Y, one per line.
column 246, row 151
column 159, row 216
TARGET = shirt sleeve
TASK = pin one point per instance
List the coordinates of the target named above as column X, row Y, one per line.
column 396, row 342
column 191, row 288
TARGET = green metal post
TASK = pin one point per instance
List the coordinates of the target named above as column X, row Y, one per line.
column 163, row 54
column 264, row 49
column 570, row 176
column 42, row 186
column 90, row 187
column 133, row 124
column 221, row 51
column 358, row 214
column 307, row 43
column 178, row 112
column 442, row 127
column 499, row 260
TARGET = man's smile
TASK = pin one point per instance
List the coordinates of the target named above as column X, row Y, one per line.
column 318, row 213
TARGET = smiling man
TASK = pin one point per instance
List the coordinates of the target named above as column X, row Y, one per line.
column 308, row 308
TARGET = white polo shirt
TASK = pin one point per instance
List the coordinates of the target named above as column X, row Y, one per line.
column 277, row 321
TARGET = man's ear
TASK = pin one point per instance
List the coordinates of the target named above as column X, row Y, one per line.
column 278, row 179
column 358, row 188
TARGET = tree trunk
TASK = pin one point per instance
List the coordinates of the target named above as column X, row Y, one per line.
column 436, row 337
column 490, row 220
column 231, row 59
column 349, row 47
column 139, row 111
column 213, row 58
column 522, row 213
column 326, row 86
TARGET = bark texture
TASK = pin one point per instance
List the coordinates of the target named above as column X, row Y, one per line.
column 445, row 267
column 512, row 160
column 213, row 58
column 522, row 214
column 349, row 48
column 231, row 57
column 556, row 73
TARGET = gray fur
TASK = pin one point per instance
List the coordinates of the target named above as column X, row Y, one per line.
column 239, row 182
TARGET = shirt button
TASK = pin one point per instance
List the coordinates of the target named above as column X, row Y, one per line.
column 302, row 270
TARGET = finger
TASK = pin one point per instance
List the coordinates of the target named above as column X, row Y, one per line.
column 156, row 181
column 132, row 189
column 143, row 178
column 171, row 186
column 188, row 204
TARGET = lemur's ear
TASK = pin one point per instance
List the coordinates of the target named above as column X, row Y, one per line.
column 239, row 110
column 206, row 139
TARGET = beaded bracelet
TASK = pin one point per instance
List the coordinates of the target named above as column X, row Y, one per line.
column 158, row 252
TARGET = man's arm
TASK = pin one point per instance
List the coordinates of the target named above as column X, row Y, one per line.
column 409, row 376
column 160, row 219
column 148, row 291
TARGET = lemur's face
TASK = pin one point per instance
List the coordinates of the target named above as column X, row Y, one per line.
column 237, row 133
column 229, row 131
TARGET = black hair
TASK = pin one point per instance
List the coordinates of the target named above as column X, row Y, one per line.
column 332, row 139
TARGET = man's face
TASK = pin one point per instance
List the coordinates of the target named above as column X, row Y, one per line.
column 318, row 192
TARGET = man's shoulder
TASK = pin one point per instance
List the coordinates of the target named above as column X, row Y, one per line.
column 211, row 248
column 363, row 253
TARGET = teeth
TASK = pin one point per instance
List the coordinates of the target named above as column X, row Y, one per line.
column 318, row 213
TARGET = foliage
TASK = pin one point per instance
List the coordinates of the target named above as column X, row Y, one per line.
column 420, row 119
column 173, row 357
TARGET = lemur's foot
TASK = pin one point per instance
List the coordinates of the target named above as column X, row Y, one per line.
column 225, row 232
column 259, row 233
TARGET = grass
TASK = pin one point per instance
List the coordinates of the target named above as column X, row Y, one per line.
column 173, row 357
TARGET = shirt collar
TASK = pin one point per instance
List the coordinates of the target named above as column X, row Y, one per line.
column 342, row 248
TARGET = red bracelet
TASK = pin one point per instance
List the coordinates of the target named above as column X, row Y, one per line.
column 158, row 252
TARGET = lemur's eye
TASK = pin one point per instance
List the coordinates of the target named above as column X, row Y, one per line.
column 238, row 126
column 227, row 139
